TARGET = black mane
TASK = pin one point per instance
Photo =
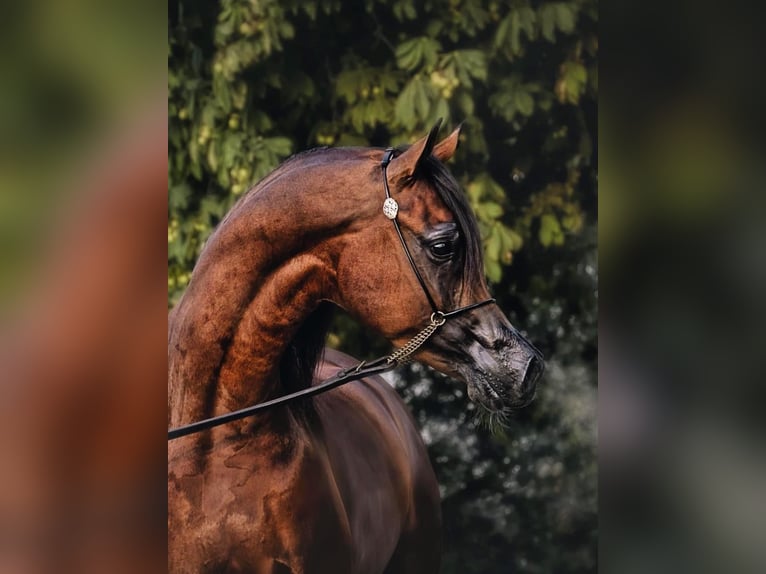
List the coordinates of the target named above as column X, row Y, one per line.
column 299, row 361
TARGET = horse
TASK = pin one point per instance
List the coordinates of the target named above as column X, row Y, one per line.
column 342, row 482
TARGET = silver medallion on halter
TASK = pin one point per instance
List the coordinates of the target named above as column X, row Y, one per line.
column 390, row 208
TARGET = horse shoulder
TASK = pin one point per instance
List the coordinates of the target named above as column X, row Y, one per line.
column 380, row 464
column 254, row 514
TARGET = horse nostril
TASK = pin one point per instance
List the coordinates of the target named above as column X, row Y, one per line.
column 534, row 370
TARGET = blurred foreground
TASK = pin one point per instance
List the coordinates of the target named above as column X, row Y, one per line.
column 683, row 254
column 83, row 174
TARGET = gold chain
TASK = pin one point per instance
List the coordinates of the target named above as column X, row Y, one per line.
column 403, row 355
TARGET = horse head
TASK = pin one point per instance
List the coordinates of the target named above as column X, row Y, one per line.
column 381, row 286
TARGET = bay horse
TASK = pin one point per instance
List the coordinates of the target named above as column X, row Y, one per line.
column 340, row 483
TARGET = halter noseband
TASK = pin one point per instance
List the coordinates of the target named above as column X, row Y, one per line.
column 365, row 368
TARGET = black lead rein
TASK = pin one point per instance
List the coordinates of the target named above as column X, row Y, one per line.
column 345, row 376
column 363, row 369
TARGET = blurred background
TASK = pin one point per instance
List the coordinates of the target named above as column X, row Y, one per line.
column 251, row 82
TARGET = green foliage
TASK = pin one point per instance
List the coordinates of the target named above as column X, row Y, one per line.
column 417, row 53
column 253, row 81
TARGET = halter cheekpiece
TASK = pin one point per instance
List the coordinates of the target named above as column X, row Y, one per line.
column 388, row 156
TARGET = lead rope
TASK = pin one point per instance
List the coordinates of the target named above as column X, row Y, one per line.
column 359, row 371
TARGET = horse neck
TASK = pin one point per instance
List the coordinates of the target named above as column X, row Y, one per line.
column 253, row 287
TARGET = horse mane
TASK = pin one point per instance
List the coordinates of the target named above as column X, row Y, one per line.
column 304, row 351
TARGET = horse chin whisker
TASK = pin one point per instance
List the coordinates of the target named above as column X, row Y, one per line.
column 496, row 421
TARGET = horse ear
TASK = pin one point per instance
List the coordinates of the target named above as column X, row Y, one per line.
column 407, row 164
column 445, row 149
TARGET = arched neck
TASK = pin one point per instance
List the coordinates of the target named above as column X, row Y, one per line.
column 251, row 291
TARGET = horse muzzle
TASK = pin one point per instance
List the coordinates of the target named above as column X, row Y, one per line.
column 503, row 370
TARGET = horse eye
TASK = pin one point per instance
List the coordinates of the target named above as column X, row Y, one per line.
column 442, row 250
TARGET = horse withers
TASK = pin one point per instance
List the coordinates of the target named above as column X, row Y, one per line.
column 340, row 483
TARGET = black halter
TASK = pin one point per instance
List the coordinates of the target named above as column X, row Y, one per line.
column 363, row 369
column 387, row 157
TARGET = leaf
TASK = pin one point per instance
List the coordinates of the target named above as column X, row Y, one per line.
column 279, row 146
column 494, row 243
column 389, row 82
column 408, row 55
column 178, row 196
column 194, row 151
column 515, row 33
column 474, row 62
column 286, row 29
column 473, row 17
column 209, row 114
column 409, row 11
column 413, row 103
column 421, row 52
column 177, row 249
column 513, row 97
column 311, row 10
column 196, row 170
column 405, row 105
column 556, row 15
column 230, row 149
column 212, row 155
column 565, row 17
column 465, row 102
column 261, row 122
column 518, row 241
column 493, row 270
column 422, row 104
column 524, row 102
column 572, row 222
column 528, row 21
column 434, row 28
column 572, row 82
column 501, row 34
column 491, row 210
column 485, row 187
column 510, row 243
column 549, row 229
column 473, row 190
column 441, row 110
column 547, row 18
column 211, row 208
column 223, row 179
column 347, row 85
